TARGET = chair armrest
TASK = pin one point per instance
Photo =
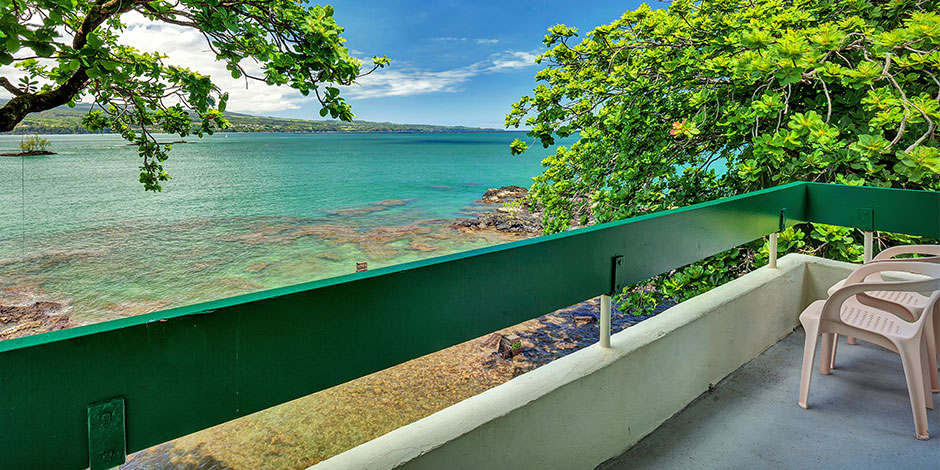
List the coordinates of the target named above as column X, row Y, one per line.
column 834, row 303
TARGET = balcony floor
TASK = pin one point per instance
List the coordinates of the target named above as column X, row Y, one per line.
column 859, row 417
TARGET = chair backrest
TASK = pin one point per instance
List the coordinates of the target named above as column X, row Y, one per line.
column 932, row 251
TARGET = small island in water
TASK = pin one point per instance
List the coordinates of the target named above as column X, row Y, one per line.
column 31, row 146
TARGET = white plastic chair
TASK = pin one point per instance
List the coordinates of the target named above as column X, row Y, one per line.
column 912, row 302
column 842, row 313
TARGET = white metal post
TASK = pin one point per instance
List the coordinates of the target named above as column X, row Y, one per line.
column 605, row 321
column 773, row 250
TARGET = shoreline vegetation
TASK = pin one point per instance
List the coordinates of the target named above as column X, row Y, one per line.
column 64, row 120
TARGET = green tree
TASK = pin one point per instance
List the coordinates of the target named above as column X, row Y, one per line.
column 70, row 49
column 34, row 143
column 719, row 97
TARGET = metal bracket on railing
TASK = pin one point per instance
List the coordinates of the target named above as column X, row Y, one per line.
column 783, row 220
column 617, row 276
column 866, row 219
column 107, row 444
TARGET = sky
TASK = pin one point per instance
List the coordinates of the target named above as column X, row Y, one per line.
column 453, row 62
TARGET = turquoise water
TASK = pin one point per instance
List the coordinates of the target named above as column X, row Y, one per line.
column 243, row 212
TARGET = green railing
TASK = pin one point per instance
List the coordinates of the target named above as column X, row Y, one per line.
column 88, row 395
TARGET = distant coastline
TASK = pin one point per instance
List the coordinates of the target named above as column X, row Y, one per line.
column 32, row 131
column 64, row 120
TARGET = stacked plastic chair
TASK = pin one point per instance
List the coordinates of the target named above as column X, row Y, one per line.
column 866, row 307
column 912, row 303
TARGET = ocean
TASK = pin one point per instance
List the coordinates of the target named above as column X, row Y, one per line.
column 243, row 212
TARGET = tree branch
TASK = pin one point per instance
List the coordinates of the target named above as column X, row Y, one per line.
column 25, row 103
column 10, row 87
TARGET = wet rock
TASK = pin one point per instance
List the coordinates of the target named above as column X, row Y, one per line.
column 203, row 265
column 421, row 246
column 330, row 256
column 31, row 153
column 519, row 221
column 39, row 317
column 584, row 318
column 506, row 347
column 503, row 194
column 257, row 267
column 520, row 217
column 393, row 202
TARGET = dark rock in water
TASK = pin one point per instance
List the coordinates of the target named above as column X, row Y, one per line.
column 521, row 221
column 522, row 216
column 503, row 194
column 40, row 317
column 31, row 153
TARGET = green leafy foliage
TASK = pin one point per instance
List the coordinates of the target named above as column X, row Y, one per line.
column 34, row 143
column 70, row 50
column 720, row 97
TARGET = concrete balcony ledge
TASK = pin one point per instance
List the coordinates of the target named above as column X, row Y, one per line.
column 591, row 406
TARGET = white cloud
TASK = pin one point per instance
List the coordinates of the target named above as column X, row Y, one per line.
column 415, row 81
column 186, row 47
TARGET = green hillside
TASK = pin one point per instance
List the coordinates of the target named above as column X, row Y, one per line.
column 64, row 120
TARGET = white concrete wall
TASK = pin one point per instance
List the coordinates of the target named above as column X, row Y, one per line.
column 591, row 405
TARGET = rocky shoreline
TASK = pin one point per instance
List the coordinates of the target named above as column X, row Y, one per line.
column 516, row 214
column 31, row 319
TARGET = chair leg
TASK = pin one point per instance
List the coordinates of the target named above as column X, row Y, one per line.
column 936, row 332
column 825, row 354
column 932, row 339
column 925, row 373
column 930, row 362
column 913, row 374
column 835, row 346
column 809, row 354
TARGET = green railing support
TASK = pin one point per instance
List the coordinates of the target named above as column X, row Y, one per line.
column 186, row 369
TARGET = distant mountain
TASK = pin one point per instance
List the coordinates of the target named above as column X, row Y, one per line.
column 65, row 120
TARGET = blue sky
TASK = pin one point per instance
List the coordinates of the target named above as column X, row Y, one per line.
column 453, row 62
